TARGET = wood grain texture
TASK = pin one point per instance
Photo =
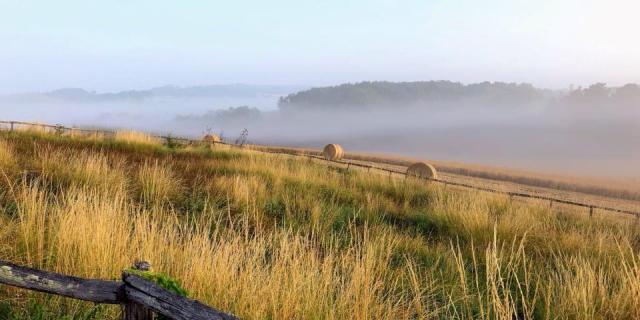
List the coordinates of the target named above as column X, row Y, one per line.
column 99, row 291
column 147, row 293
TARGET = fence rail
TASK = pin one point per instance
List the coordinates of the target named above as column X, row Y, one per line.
column 266, row 149
column 138, row 296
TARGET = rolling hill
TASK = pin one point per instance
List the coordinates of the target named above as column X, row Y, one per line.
column 270, row 236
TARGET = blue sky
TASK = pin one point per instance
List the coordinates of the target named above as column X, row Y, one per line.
column 116, row 45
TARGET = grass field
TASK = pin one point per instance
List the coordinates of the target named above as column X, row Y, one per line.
column 275, row 237
column 578, row 187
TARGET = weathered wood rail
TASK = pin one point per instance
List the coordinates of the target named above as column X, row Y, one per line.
column 139, row 297
column 265, row 149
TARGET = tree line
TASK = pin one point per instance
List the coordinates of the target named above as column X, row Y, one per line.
column 382, row 94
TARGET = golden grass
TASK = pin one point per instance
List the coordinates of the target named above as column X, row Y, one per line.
column 600, row 186
column 136, row 137
column 94, row 234
column 33, row 128
column 7, row 159
column 157, row 182
column 83, row 168
column 266, row 236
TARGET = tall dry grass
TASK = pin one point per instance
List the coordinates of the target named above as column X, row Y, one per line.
column 620, row 188
column 157, row 182
column 35, row 128
column 7, row 158
column 136, row 137
column 65, row 168
column 264, row 236
column 280, row 274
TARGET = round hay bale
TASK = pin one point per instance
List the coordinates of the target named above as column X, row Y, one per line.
column 422, row 170
column 333, row 151
column 211, row 138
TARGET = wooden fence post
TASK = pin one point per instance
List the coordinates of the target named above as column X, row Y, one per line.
column 590, row 211
column 135, row 311
column 11, row 125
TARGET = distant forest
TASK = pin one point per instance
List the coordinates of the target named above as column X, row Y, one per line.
column 372, row 95
column 79, row 95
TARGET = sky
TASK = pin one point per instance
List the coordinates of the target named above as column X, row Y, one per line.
column 136, row 44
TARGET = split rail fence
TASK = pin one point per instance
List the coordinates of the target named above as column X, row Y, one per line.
column 139, row 297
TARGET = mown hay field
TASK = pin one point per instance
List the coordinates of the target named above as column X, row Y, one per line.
column 276, row 237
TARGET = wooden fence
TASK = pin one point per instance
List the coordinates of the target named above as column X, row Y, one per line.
column 592, row 207
column 140, row 298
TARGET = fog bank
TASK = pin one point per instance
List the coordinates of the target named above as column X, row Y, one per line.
column 550, row 134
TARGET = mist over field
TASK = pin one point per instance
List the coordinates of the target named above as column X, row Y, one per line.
column 153, row 110
column 542, row 138
column 592, row 131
